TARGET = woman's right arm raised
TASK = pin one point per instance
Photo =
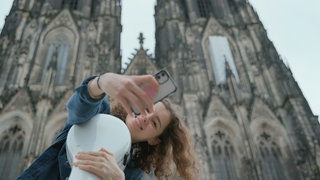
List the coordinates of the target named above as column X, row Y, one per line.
column 126, row 89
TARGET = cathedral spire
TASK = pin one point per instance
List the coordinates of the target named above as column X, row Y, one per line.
column 141, row 40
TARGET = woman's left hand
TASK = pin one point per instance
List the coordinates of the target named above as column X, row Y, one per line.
column 101, row 163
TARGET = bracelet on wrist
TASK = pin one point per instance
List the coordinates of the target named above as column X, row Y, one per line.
column 90, row 84
column 98, row 82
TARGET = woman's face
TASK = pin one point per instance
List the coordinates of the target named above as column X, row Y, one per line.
column 149, row 127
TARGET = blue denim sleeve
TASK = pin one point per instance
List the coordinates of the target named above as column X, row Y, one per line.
column 132, row 172
column 81, row 107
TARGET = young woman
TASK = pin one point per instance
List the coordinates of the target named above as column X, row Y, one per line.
column 161, row 141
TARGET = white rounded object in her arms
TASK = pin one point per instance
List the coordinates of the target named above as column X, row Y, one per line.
column 102, row 131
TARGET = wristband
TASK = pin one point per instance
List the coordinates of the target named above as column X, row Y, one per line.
column 98, row 82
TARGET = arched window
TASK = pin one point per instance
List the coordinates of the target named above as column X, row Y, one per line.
column 63, row 3
column 205, row 8
column 73, row 4
column 223, row 156
column 270, row 158
column 220, row 55
column 54, row 63
column 11, row 145
column 57, row 59
column 93, row 6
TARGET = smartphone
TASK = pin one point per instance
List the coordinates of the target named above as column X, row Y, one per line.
column 167, row 86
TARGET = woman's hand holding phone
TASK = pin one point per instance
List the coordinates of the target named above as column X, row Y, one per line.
column 167, row 86
column 136, row 93
column 127, row 90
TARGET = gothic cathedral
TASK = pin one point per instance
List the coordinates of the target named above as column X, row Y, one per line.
column 248, row 116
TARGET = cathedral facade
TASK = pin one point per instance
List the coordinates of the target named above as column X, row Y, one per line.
column 247, row 114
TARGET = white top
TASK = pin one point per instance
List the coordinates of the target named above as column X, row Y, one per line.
column 102, row 131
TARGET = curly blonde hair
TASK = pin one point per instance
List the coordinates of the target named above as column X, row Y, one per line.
column 174, row 155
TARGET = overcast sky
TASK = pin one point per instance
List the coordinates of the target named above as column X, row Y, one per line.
column 292, row 25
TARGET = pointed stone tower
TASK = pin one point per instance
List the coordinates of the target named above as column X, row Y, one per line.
column 248, row 115
column 47, row 48
column 141, row 62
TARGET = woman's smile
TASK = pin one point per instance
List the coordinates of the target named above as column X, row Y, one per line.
column 150, row 126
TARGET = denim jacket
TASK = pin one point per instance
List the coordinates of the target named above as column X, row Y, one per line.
column 53, row 162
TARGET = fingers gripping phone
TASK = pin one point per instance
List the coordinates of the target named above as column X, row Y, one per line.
column 167, row 86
